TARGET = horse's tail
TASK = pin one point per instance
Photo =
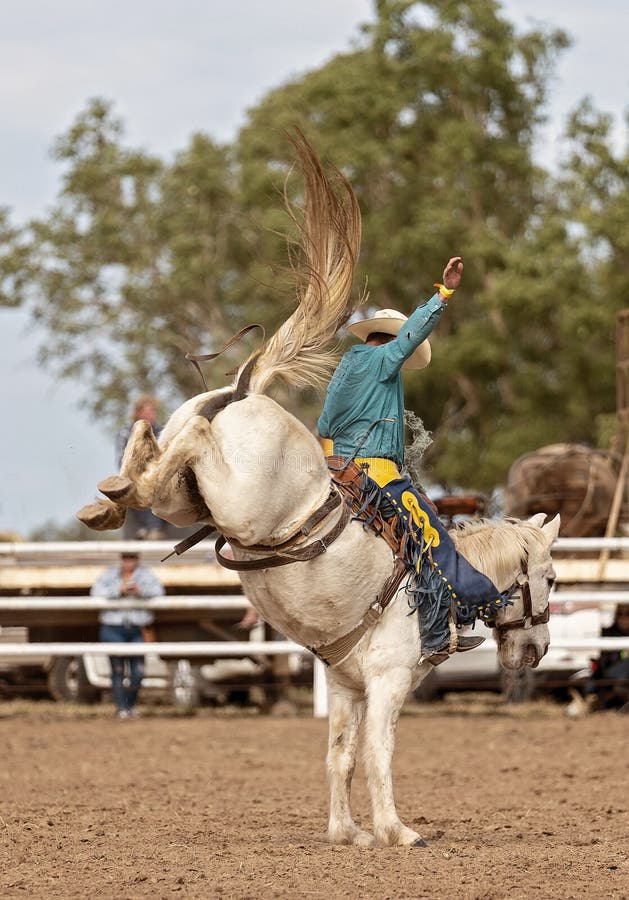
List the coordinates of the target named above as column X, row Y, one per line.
column 299, row 352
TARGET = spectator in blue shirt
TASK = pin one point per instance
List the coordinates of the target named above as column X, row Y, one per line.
column 124, row 624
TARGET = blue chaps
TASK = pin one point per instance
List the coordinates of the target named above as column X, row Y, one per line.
column 445, row 584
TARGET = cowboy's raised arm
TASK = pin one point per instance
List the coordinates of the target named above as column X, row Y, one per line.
column 422, row 321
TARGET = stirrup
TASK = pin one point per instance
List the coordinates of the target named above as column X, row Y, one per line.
column 435, row 659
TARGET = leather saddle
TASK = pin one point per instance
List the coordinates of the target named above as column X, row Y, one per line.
column 349, row 479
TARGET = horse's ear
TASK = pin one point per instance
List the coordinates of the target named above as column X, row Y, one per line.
column 538, row 519
column 551, row 530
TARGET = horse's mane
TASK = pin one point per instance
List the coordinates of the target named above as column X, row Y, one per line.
column 299, row 352
column 496, row 547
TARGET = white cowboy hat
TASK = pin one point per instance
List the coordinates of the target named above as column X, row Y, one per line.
column 390, row 321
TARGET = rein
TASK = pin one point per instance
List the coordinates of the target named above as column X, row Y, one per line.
column 205, row 357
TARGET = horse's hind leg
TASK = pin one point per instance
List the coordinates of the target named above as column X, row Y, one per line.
column 103, row 515
column 385, row 695
column 346, row 712
column 134, row 486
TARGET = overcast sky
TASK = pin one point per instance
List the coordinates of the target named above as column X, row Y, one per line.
column 172, row 69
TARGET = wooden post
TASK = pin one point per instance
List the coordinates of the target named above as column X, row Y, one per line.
column 614, row 512
column 622, row 436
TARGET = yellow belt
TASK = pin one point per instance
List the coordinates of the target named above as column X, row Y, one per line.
column 381, row 470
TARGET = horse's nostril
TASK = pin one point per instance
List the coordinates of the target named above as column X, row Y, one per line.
column 532, row 654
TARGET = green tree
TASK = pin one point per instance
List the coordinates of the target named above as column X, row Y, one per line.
column 595, row 188
column 433, row 118
column 432, row 115
column 132, row 268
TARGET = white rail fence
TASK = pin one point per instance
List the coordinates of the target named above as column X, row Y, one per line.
column 35, row 550
column 177, row 649
column 105, row 551
column 179, row 601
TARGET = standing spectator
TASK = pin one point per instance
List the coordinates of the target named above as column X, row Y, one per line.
column 126, row 625
column 141, row 523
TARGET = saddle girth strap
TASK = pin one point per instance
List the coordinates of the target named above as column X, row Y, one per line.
column 334, row 499
column 336, row 651
column 283, row 557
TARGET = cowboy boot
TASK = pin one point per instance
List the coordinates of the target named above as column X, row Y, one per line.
column 468, row 642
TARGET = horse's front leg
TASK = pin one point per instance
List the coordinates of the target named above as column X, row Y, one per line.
column 346, row 712
column 385, row 695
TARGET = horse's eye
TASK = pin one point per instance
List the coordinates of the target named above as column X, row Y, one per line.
column 550, row 580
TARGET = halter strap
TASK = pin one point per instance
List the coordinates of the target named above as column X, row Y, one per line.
column 528, row 620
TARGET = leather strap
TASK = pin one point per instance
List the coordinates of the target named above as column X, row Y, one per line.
column 336, row 651
column 334, row 499
column 528, row 620
column 195, row 359
column 182, row 546
column 305, row 554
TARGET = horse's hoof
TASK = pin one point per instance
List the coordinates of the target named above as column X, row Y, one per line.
column 115, row 487
column 101, row 516
column 419, row 842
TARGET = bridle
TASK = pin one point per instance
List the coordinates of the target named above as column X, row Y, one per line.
column 528, row 620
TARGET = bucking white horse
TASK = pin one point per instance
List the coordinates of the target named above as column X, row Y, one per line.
column 234, row 459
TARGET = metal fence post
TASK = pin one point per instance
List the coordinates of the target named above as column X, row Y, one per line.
column 319, row 690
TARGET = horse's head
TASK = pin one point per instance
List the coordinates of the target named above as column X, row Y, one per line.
column 516, row 555
column 259, row 472
column 521, row 629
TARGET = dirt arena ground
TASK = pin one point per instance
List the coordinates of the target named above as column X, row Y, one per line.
column 514, row 802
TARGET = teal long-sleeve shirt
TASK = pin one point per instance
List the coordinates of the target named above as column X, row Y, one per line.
column 367, row 385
